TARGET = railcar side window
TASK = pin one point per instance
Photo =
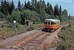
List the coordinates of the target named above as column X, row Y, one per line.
column 52, row 23
column 49, row 23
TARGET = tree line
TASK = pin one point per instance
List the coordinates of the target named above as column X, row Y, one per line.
column 33, row 10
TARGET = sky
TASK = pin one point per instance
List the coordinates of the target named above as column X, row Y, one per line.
column 65, row 4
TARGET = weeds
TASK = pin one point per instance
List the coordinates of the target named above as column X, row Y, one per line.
column 30, row 28
column 67, row 38
column 62, row 46
column 63, row 36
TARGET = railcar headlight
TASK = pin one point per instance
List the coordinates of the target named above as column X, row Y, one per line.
column 53, row 27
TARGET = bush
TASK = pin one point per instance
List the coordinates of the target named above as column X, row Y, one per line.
column 30, row 28
column 31, row 15
column 62, row 46
column 2, row 25
column 21, row 16
column 1, row 15
column 16, row 15
column 64, row 28
column 43, row 15
column 63, row 36
column 9, row 25
column 9, row 18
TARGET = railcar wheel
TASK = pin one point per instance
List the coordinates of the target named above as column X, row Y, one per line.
column 43, row 29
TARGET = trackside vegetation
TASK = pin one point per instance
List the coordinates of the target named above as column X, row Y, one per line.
column 66, row 38
column 35, row 11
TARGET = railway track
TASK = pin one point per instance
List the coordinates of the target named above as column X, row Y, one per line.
column 35, row 42
column 34, row 39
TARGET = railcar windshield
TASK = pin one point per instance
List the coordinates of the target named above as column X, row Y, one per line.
column 51, row 23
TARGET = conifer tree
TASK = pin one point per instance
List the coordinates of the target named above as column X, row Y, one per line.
column 28, row 5
column 47, row 8
column 56, row 12
column 60, row 13
column 34, row 5
column 19, row 5
column 11, row 7
column 51, row 9
column 4, row 7
column 25, row 5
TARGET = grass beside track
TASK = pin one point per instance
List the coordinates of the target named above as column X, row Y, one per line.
column 66, row 38
column 7, row 29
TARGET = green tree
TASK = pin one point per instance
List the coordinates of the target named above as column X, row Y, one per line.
column 49, row 9
column 22, row 21
column 0, row 5
column 16, row 15
column 43, row 5
column 4, row 9
column 28, row 5
column 64, row 16
column 56, row 12
column 11, row 7
column 9, row 18
column 69, row 18
column 60, row 13
column 43, row 16
column 34, row 4
column 30, row 15
column 19, row 5
column 25, row 5
column 40, row 6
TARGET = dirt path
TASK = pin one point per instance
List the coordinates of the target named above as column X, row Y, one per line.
column 2, row 22
column 35, row 40
column 10, row 40
column 40, row 42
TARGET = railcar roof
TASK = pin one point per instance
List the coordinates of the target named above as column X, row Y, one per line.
column 53, row 20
